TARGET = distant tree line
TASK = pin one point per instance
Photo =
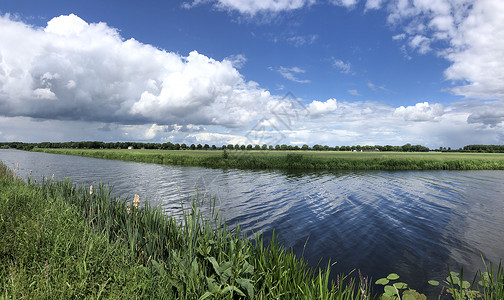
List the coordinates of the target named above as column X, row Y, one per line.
column 177, row 146
column 484, row 148
column 283, row 147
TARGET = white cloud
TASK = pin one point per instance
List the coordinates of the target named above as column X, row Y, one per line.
column 237, row 60
column 318, row 108
column 420, row 112
column 291, row 74
column 374, row 4
column 354, row 92
column 398, row 37
column 344, row 68
column 345, row 3
column 375, row 88
column 299, row 40
column 252, row 7
column 420, row 43
column 468, row 33
column 72, row 70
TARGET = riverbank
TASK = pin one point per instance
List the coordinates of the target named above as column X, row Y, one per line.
column 300, row 160
column 63, row 241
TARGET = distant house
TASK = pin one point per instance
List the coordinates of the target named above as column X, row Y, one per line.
column 372, row 150
column 130, row 147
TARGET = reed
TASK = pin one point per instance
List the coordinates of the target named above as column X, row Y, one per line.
column 300, row 160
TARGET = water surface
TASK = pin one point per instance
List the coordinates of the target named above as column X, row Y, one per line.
column 414, row 223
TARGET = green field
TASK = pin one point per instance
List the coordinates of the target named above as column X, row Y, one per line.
column 301, row 160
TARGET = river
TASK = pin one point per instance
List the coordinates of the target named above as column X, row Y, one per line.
column 414, row 223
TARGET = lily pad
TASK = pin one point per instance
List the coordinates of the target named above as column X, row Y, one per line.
column 389, row 290
column 382, row 281
column 400, row 285
column 393, row 276
column 433, row 282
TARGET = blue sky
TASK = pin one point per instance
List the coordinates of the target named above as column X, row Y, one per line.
column 218, row 71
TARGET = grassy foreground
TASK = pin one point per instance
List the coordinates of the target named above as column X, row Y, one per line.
column 302, row 160
column 60, row 241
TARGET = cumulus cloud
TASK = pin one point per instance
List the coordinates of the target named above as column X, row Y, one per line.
column 420, row 112
column 468, row 33
column 318, row 108
column 73, row 70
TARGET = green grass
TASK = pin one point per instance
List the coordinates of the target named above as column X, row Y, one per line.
column 302, row 160
column 59, row 241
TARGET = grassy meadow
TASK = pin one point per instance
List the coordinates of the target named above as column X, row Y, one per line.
column 302, row 160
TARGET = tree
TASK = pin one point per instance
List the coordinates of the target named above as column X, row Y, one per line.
column 249, row 147
column 305, row 147
column 264, row 146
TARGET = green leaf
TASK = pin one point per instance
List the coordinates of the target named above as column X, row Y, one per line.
column 413, row 295
column 247, row 268
column 453, row 280
column 393, row 276
column 194, row 267
column 226, row 271
column 400, row 285
column 247, row 285
column 214, row 264
column 205, row 295
column 212, row 285
column 466, row 284
column 390, row 290
column 382, row 281
column 433, row 282
column 230, row 288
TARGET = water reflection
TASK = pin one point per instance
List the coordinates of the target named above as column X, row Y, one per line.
column 414, row 223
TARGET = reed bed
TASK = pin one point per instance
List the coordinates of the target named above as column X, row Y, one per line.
column 63, row 241
column 300, row 160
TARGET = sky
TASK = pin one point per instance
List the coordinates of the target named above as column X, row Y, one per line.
column 330, row 72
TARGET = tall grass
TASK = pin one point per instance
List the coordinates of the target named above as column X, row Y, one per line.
column 302, row 160
column 63, row 241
